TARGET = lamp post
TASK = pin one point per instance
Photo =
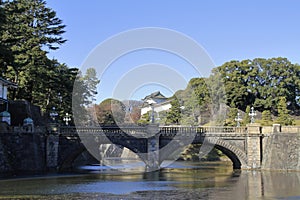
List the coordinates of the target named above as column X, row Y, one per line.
column 252, row 114
column 53, row 127
column 67, row 118
column 60, row 99
column 238, row 119
column 53, row 114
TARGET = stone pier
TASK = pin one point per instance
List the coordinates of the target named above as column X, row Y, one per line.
column 152, row 162
column 253, row 146
column 52, row 152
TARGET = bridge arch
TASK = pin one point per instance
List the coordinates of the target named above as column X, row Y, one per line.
column 67, row 156
column 237, row 156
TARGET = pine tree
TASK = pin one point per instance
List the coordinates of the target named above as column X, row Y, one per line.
column 231, row 116
column 4, row 52
column 90, row 81
column 83, row 93
column 246, row 119
column 174, row 114
column 283, row 113
column 145, row 119
column 31, row 28
column 266, row 118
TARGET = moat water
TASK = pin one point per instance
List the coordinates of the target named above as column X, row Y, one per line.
column 180, row 180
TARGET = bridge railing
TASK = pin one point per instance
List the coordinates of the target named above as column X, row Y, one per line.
column 224, row 129
column 202, row 129
column 67, row 130
column 143, row 130
column 181, row 129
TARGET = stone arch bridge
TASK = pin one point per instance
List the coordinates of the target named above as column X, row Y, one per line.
column 153, row 144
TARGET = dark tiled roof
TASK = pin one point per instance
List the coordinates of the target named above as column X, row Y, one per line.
column 155, row 95
column 8, row 83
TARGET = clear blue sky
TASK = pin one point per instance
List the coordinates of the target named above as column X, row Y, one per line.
column 228, row 30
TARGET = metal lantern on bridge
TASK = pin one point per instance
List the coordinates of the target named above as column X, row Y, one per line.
column 53, row 126
column 238, row 119
column 53, row 114
column 28, row 124
column 5, row 117
column 252, row 114
column 67, row 119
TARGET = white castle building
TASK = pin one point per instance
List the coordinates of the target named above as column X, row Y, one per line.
column 158, row 101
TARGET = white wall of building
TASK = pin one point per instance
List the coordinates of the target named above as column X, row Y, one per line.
column 157, row 108
column 3, row 91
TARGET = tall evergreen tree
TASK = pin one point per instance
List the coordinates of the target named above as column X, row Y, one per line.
column 266, row 118
column 237, row 81
column 277, row 78
column 31, row 29
column 144, row 119
column 174, row 114
column 196, row 101
column 5, row 53
column 231, row 116
column 283, row 113
column 246, row 119
column 90, row 81
column 83, row 94
column 260, row 82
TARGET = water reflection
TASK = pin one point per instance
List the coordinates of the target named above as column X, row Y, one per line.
column 181, row 180
column 267, row 185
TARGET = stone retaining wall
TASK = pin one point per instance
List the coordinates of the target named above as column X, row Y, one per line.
column 22, row 152
column 281, row 151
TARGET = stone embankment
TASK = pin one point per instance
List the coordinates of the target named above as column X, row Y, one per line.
column 281, row 148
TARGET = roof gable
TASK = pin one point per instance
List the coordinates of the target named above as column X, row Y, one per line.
column 155, row 95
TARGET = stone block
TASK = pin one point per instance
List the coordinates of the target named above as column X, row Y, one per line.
column 254, row 128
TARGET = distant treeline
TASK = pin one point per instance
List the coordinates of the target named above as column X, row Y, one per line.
column 270, row 86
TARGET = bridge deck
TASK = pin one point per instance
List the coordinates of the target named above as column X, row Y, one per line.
column 163, row 130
